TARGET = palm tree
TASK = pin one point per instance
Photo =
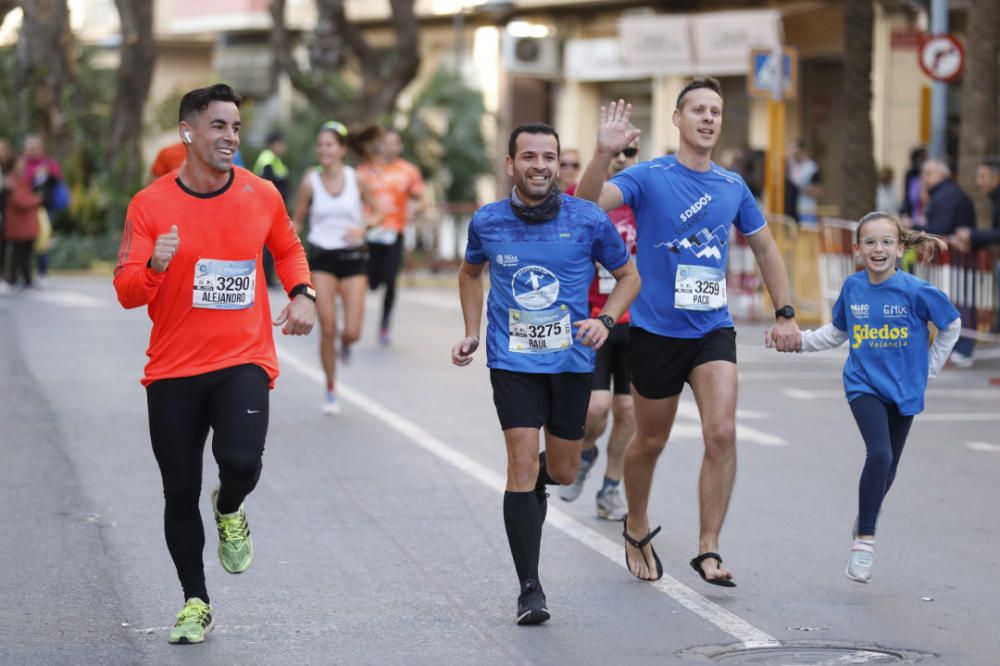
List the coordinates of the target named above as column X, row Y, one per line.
column 857, row 164
column 978, row 135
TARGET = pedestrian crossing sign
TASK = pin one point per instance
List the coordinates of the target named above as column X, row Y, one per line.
column 773, row 73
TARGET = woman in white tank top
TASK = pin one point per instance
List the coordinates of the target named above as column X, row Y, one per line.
column 331, row 197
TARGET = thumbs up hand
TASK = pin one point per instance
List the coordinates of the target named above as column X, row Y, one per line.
column 164, row 250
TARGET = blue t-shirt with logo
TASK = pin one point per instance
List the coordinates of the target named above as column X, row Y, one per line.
column 539, row 280
column 886, row 327
column 683, row 218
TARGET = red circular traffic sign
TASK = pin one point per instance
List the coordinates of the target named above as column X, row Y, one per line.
column 941, row 57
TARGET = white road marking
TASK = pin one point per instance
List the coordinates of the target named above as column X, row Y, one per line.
column 72, row 299
column 728, row 622
column 764, row 376
column 958, row 417
column 966, row 393
column 985, row 447
column 688, row 410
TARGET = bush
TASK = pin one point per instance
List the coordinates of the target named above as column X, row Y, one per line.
column 76, row 252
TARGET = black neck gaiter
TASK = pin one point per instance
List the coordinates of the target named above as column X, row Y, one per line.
column 543, row 212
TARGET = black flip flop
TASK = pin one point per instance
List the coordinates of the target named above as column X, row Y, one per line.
column 696, row 565
column 640, row 545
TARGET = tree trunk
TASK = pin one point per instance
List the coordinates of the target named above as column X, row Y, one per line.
column 135, row 73
column 45, row 77
column 335, row 43
column 978, row 134
column 857, row 164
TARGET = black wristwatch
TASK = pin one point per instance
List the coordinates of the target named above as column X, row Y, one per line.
column 607, row 320
column 787, row 312
column 303, row 289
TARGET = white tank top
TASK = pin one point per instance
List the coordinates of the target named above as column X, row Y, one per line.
column 330, row 216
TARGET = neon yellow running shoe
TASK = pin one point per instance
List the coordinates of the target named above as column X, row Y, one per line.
column 193, row 622
column 235, row 544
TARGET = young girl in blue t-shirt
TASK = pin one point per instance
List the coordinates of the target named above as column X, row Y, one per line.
column 884, row 313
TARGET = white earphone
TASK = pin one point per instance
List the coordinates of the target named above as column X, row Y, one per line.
column 187, row 136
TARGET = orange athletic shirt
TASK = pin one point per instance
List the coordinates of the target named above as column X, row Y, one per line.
column 391, row 186
column 168, row 159
column 230, row 225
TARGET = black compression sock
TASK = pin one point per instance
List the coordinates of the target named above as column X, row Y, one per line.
column 543, row 474
column 543, row 506
column 521, row 518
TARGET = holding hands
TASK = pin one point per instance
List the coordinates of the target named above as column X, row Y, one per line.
column 614, row 133
column 784, row 336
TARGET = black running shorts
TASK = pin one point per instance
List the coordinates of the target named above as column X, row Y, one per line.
column 611, row 365
column 660, row 365
column 342, row 263
column 529, row 400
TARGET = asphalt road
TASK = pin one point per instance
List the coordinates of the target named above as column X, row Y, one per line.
column 379, row 535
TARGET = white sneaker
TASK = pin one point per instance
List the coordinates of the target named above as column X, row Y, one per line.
column 611, row 504
column 330, row 404
column 859, row 566
column 961, row 360
column 570, row 492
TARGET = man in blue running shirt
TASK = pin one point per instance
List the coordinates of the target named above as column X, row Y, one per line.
column 682, row 331
column 541, row 246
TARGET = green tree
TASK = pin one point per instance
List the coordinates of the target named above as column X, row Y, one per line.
column 444, row 136
column 337, row 47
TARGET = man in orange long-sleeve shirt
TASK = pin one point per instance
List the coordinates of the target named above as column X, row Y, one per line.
column 191, row 252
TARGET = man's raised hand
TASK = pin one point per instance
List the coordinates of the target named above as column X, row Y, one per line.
column 614, row 133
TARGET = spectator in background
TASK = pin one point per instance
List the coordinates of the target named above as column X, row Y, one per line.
column 968, row 239
column 21, row 220
column 6, row 166
column 912, row 207
column 885, row 196
column 46, row 179
column 169, row 158
column 948, row 209
column 270, row 166
column 804, row 173
column 569, row 168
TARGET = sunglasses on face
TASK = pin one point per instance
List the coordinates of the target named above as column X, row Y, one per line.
column 570, row 165
column 629, row 152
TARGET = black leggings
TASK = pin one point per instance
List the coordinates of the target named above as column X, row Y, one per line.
column 384, row 262
column 21, row 252
column 884, row 430
column 233, row 402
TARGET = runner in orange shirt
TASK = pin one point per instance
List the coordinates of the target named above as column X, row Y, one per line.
column 191, row 251
column 393, row 183
column 169, row 158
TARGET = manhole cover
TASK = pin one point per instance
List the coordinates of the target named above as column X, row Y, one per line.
column 804, row 654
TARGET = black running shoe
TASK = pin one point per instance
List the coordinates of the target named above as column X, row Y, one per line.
column 531, row 604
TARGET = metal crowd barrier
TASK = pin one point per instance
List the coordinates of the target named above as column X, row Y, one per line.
column 970, row 280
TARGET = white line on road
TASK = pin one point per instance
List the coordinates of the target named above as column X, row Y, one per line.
column 70, row 298
column 963, row 393
column 958, row 417
column 728, row 622
column 688, row 410
column 985, row 447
